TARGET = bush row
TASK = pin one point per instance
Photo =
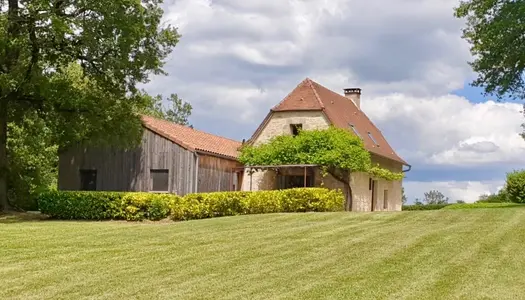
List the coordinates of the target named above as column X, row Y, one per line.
column 482, row 205
column 75, row 205
column 424, row 207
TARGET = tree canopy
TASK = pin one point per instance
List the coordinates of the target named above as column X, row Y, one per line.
column 334, row 149
column 435, row 197
column 72, row 67
column 178, row 110
column 496, row 31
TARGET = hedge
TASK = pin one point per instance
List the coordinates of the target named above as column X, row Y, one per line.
column 75, row 205
column 424, row 207
column 209, row 205
column 483, row 205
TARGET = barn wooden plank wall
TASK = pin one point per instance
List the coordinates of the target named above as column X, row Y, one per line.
column 215, row 173
column 129, row 170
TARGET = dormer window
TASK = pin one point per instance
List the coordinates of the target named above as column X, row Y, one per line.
column 296, row 128
column 373, row 139
column 355, row 131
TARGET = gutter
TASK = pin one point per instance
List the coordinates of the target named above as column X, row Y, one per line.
column 407, row 170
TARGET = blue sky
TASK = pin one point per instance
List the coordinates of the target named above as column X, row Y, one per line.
column 236, row 59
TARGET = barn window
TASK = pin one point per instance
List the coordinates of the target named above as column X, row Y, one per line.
column 296, row 128
column 88, row 180
column 160, row 180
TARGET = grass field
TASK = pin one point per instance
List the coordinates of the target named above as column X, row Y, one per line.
column 446, row 254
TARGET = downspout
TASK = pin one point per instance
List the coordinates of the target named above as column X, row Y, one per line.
column 196, row 187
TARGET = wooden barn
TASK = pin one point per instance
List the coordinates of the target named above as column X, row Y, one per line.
column 171, row 158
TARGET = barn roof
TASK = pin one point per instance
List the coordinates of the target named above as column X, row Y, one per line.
column 339, row 110
column 193, row 139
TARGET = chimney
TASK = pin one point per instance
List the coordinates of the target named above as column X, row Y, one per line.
column 354, row 94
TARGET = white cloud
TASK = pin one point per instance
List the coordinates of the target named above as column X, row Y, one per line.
column 450, row 130
column 468, row 191
column 237, row 59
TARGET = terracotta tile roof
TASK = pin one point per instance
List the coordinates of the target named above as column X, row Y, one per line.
column 341, row 112
column 192, row 139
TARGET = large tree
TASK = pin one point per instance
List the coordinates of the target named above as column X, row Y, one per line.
column 337, row 151
column 496, row 31
column 76, row 64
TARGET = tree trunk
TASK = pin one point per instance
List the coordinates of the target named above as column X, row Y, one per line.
column 4, row 205
column 344, row 178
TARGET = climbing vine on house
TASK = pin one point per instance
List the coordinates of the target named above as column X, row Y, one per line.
column 336, row 150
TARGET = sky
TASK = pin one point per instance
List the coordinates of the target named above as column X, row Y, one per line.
column 236, row 59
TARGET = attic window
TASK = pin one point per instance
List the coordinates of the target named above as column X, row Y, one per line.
column 296, row 128
column 355, row 131
column 372, row 138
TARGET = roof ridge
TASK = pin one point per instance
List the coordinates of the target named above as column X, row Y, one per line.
column 310, row 84
column 190, row 128
column 289, row 94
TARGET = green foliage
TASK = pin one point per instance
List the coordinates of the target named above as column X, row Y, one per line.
column 141, row 206
column 495, row 31
column 33, row 162
column 178, row 110
column 460, row 201
column 81, row 205
column 501, row 196
column 424, row 207
column 482, row 205
column 515, row 186
column 435, row 197
column 218, row 204
column 75, row 205
column 403, row 196
column 76, row 65
column 331, row 148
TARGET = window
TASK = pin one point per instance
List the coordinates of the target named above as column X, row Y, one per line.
column 372, row 138
column 160, row 180
column 385, row 200
column 296, row 128
column 88, row 180
column 369, row 184
column 355, row 131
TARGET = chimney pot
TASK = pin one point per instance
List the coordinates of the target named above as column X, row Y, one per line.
column 354, row 94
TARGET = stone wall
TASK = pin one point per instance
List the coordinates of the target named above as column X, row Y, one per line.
column 279, row 124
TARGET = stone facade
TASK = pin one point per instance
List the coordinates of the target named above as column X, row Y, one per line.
column 364, row 199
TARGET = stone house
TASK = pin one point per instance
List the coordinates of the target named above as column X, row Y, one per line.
column 179, row 159
column 312, row 106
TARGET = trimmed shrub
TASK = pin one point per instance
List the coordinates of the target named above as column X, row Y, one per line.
column 483, row 205
column 218, row 204
column 76, row 205
column 425, row 207
column 515, row 186
column 140, row 206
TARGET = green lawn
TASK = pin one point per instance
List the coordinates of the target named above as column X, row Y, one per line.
column 454, row 254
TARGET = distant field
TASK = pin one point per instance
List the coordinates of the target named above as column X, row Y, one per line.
column 444, row 254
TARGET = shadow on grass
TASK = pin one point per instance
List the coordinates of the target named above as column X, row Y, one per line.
column 20, row 217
